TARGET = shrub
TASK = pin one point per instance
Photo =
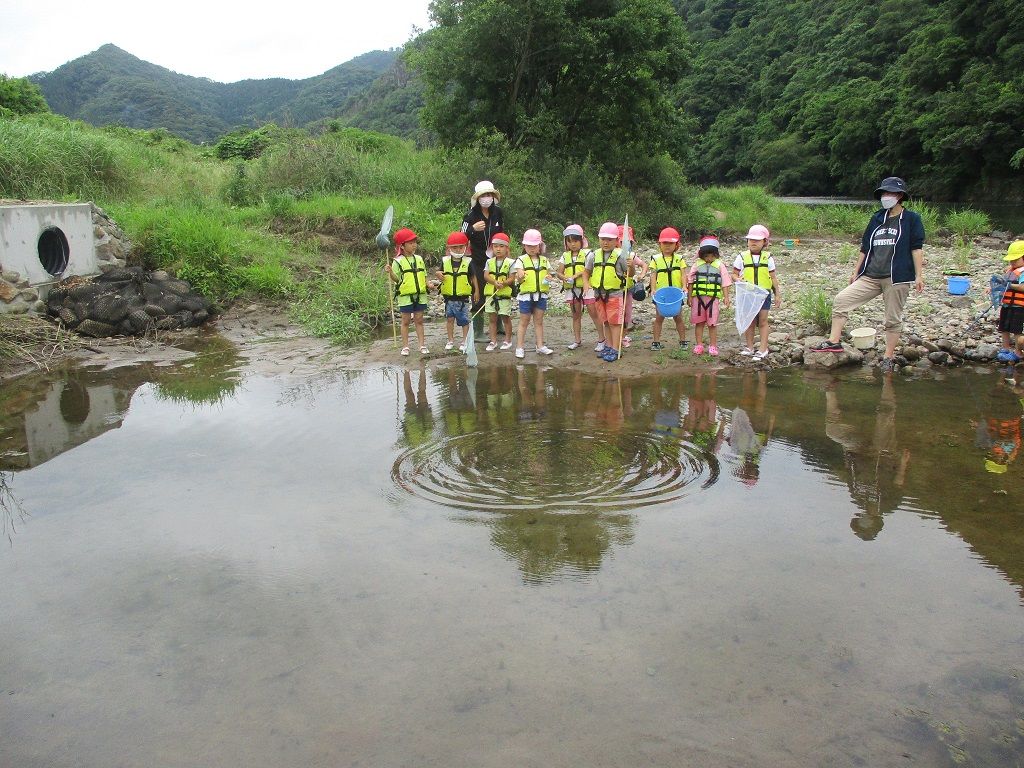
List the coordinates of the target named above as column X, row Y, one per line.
column 967, row 223
column 814, row 306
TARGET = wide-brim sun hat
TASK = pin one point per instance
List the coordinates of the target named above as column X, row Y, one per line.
column 485, row 188
column 1015, row 251
column 758, row 232
column 892, row 184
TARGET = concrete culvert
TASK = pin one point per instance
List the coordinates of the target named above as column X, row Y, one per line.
column 53, row 250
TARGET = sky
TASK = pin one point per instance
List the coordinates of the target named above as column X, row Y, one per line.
column 225, row 42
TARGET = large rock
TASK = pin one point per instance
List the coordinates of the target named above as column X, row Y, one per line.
column 830, row 360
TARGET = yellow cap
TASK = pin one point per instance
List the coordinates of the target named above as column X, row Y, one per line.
column 995, row 467
column 1015, row 251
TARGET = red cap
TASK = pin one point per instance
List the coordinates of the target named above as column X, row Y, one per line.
column 458, row 238
column 402, row 237
column 669, row 235
column 622, row 231
column 500, row 237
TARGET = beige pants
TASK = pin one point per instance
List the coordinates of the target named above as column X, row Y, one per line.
column 864, row 289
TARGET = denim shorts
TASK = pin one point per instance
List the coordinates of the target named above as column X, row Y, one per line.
column 412, row 308
column 459, row 310
column 526, row 306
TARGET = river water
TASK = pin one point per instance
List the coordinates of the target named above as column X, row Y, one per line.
column 404, row 567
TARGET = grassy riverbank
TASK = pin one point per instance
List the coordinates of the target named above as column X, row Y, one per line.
column 296, row 223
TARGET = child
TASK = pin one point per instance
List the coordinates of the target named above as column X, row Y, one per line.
column 531, row 274
column 636, row 274
column 668, row 272
column 604, row 277
column 570, row 271
column 756, row 265
column 409, row 272
column 708, row 281
column 498, row 281
column 1011, row 313
column 458, row 288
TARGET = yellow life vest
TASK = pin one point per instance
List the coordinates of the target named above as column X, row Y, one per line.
column 536, row 278
column 668, row 273
column 757, row 273
column 456, row 283
column 707, row 280
column 498, row 273
column 603, row 278
column 413, row 275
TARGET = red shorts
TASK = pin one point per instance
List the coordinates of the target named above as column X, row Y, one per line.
column 703, row 310
column 610, row 310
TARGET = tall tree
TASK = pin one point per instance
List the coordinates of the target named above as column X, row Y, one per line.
column 579, row 77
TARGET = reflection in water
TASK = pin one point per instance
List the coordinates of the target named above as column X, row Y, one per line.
column 46, row 414
column 875, row 466
column 12, row 513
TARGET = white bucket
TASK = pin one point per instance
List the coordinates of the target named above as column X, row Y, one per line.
column 863, row 338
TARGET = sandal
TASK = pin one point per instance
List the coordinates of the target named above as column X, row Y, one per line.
column 424, row 351
column 405, row 351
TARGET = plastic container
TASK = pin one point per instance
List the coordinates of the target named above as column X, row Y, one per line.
column 863, row 338
column 957, row 286
column 668, row 300
column 790, row 243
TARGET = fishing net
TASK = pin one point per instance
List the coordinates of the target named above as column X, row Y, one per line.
column 749, row 300
column 471, row 360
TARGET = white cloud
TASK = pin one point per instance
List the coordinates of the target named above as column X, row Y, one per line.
column 221, row 41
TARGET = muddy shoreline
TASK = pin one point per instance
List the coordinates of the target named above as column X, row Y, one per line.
column 272, row 343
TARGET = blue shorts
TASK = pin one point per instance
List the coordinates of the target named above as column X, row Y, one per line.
column 409, row 309
column 459, row 310
column 526, row 306
column 767, row 303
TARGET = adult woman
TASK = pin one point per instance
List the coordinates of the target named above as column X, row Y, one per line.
column 891, row 259
column 480, row 224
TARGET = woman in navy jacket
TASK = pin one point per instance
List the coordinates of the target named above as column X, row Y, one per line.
column 891, row 260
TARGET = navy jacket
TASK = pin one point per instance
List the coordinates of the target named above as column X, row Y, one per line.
column 910, row 238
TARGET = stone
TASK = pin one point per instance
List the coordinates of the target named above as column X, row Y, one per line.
column 986, row 351
column 8, row 292
column 39, row 307
column 830, row 360
column 30, row 294
column 777, row 337
column 913, row 354
column 938, row 358
column 160, row 275
column 923, row 363
column 944, row 344
column 960, row 302
column 11, row 276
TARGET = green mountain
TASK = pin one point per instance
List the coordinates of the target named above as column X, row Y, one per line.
column 111, row 86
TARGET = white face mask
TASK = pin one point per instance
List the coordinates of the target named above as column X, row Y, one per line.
column 486, row 201
column 890, row 201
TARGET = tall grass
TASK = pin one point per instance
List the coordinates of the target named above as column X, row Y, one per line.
column 50, row 157
column 966, row 223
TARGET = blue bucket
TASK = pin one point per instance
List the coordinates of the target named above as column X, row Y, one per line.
column 957, row 285
column 668, row 300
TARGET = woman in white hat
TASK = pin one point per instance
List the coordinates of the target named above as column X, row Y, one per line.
column 480, row 224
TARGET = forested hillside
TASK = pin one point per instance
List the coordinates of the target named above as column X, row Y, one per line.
column 111, row 86
column 832, row 95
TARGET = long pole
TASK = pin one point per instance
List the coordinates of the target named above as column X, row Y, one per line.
column 391, row 302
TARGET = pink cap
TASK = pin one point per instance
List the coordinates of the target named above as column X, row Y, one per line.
column 609, row 230
column 758, row 232
column 532, row 237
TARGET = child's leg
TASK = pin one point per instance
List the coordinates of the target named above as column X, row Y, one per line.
column 1007, row 344
column 450, row 325
column 698, row 333
column 577, row 322
column 762, row 320
column 492, row 323
column 507, row 325
column 656, row 328
column 421, row 332
column 595, row 315
column 615, row 322
column 681, row 327
column 629, row 308
column 524, row 322
column 538, row 326
column 748, row 335
column 713, row 335
column 405, row 328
